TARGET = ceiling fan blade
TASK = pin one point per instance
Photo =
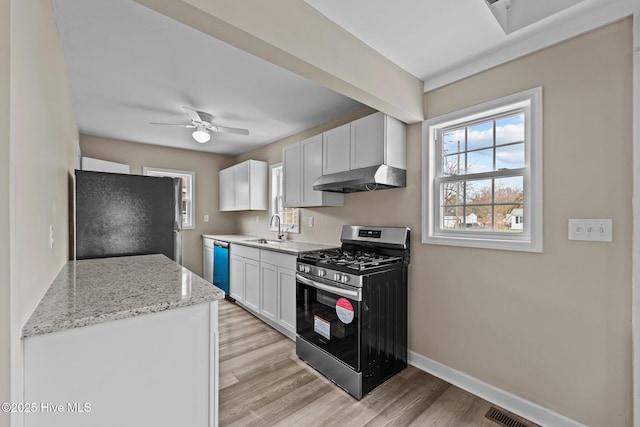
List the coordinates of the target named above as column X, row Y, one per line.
column 193, row 114
column 173, row 124
column 217, row 128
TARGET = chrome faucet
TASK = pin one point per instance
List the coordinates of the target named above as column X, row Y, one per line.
column 280, row 234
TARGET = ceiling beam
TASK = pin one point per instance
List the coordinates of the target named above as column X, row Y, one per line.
column 296, row 37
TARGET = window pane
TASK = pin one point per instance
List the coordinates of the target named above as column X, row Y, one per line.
column 480, row 136
column 509, row 190
column 453, row 164
column 453, row 141
column 453, row 193
column 480, row 161
column 452, row 218
column 479, row 192
column 479, row 218
column 510, row 218
column 510, row 129
column 510, row 157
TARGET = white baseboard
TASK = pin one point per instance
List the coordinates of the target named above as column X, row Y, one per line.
column 504, row 399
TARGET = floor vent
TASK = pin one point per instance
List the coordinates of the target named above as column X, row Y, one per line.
column 504, row 419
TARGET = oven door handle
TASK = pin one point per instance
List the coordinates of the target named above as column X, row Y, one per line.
column 355, row 295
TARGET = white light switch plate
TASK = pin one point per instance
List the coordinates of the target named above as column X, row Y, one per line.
column 594, row 230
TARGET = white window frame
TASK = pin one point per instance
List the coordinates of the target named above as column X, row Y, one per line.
column 531, row 238
column 189, row 217
column 273, row 196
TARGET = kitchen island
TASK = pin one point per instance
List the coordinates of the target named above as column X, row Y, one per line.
column 125, row 341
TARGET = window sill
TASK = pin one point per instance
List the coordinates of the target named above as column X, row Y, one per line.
column 482, row 242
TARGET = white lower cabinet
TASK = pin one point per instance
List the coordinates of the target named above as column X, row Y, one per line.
column 264, row 282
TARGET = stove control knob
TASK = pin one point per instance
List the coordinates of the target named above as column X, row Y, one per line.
column 336, row 277
column 322, row 273
column 301, row 267
column 345, row 279
column 307, row 269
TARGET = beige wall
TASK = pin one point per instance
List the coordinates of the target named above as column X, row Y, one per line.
column 5, row 226
column 552, row 328
column 206, row 167
column 42, row 154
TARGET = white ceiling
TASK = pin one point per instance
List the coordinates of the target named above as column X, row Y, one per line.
column 129, row 65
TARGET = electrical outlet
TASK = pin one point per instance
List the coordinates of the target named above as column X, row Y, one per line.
column 257, row 219
column 311, row 221
column 594, row 230
column 206, row 218
column 51, row 236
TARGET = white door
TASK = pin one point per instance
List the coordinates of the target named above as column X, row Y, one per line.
column 311, row 152
column 367, row 141
column 335, row 149
column 207, row 259
column 225, row 190
column 287, row 298
column 241, row 186
column 236, row 278
column 251, row 284
column 269, row 301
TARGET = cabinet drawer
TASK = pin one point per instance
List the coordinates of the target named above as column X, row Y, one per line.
column 278, row 259
column 245, row 251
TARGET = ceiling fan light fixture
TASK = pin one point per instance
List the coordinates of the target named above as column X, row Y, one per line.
column 201, row 134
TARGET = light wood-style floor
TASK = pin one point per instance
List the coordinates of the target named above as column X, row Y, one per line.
column 263, row 383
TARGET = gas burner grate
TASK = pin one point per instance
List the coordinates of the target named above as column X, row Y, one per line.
column 355, row 260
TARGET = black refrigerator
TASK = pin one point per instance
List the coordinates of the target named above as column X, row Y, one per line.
column 119, row 214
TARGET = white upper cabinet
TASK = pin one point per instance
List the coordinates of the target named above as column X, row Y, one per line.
column 302, row 165
column 244, row 186
column 336, row 150
column 372, row 140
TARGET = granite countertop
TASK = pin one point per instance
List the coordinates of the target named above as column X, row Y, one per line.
column 292, row 247
column 92, row 291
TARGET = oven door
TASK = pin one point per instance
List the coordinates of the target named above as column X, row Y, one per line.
column 328, row 315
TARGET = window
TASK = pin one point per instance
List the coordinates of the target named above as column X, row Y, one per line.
column 482, row 175
column 289, row 217
column 188, row 191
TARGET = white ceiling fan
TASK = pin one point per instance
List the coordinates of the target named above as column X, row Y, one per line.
column 201, row 122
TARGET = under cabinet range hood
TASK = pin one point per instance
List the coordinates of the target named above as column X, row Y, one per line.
column 365, row 179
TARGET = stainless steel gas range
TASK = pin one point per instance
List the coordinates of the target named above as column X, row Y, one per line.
column 351, row 307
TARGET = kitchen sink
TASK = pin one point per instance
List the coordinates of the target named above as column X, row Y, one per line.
column 266, row 242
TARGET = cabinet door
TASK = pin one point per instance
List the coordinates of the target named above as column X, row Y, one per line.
column 311, row 151
column 287, row 298
column 241, row 186
column 226, row 194
column 367, row 141
column 251, row 284
column 292, row 170
column 269, row 300
column 236, row 278
column 207, row 261
column 335, row 149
